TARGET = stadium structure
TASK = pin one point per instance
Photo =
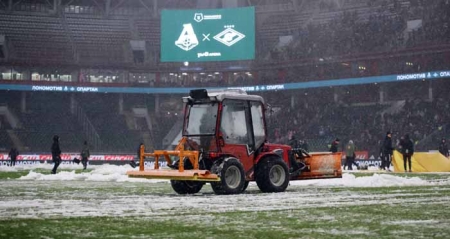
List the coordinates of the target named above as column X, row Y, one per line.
column 348, row 69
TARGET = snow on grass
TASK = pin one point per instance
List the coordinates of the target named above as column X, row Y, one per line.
column 101, row 173
column 116, row 173
column 79, row 199
column 411, row 222
column 107, row 191
column 337, row 208
column 376, row 180
column 49, row 166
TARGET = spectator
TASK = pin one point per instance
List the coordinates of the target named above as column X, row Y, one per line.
column 13, row 153
column 134, row 164
column 334, row 146
column 386, row 152
column 293, row 142
column 85, row 154
column 407, row 146
column 443, row 148
column 350, row 155
column 304, row 145
column 56, row 153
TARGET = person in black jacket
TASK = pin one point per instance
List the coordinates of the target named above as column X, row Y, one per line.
column 334, row 146
column 407, row 147
column 85, row 154
column 13, row 153
column 134, row 164
column 443, row 148
column 293, row 142
column 56, row 153
column 386, row 151
column 304, row 145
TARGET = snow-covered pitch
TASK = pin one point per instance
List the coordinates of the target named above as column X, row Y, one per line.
column 107, row 192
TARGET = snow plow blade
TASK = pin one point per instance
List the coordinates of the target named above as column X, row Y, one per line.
column 190, row 175
column 321, row 166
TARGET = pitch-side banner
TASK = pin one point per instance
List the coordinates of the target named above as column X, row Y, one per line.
column 69, row 157
column 208, row 34
column 423, row 162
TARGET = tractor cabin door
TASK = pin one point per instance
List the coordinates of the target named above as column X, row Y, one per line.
column 237, row 130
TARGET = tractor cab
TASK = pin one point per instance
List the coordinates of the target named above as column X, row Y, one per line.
column 220, row 123
column 224, row 143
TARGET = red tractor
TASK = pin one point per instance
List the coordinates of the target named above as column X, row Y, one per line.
column 224, row 142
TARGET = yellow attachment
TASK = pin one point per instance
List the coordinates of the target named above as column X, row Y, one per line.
column 194, row 174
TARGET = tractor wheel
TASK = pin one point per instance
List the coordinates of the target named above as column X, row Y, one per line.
column 245, row 186
column 272, row 175
column 184, row 186
column 232, row 177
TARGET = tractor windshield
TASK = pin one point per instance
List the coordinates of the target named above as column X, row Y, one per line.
column 201, row 119
column 200, row 126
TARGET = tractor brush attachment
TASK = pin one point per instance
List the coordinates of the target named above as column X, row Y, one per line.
column 178, row 172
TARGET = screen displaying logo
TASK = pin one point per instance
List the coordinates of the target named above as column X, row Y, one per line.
column 208, row 35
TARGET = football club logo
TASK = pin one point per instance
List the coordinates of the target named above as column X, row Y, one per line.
column 187, row 39
column 229, row 37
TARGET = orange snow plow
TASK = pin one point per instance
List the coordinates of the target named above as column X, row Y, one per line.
column 320, row 165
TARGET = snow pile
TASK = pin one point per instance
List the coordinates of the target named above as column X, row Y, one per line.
column 376, row 180
column 113, row 173
column 49, row 166
column 8, row 169
column 101, row 173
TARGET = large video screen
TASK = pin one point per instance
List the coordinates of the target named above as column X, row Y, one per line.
column 208, row 35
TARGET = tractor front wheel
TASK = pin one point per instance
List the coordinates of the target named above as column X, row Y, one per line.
column 232, row 177
column 186, row 187
column 245, row 186
column 272, row 175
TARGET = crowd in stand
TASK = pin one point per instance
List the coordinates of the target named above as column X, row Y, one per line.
column 381, row 31
column 347, row 35
column 364, row 124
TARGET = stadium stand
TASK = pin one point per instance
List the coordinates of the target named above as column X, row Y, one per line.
column 98, row 39
column 34, row 37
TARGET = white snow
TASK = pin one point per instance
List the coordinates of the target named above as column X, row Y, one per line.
column 70, row 194
column 114, row 173
column 375, row 180
column 100, row 173
column 67, row 194
column 49, row 166
column 413, row 222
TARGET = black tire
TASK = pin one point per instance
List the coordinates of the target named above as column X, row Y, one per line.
column 232, row 176
column 245, row 186
column 272, row 175
column 183, row 186
column 186, row 187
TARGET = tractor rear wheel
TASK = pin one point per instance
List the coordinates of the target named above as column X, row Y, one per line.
column 232, row 177
column 272, row 175
column 184, row 186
